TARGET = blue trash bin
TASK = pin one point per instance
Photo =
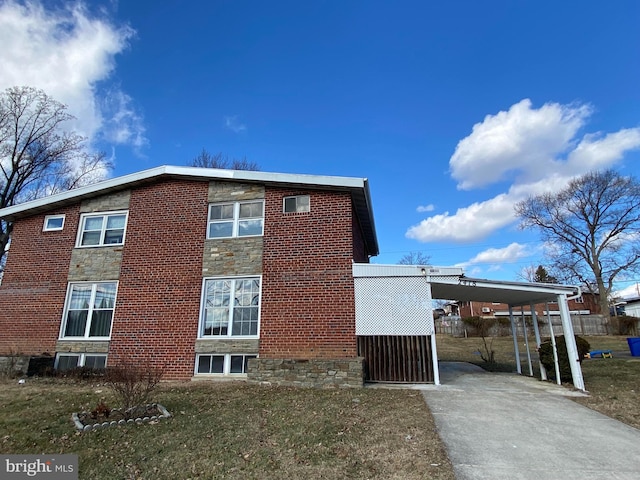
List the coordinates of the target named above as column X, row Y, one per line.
column 634, row 346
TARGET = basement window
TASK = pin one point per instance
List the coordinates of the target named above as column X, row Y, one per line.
column 53, row 223
column 297, row 204
column 69, row 361
column 227, row 364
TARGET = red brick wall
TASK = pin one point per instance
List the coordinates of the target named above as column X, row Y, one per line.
column 157, row 308
column 307, row 294
column 35, row 284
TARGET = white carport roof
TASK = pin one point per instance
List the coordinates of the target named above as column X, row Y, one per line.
column 451, row 284
column 512, row 293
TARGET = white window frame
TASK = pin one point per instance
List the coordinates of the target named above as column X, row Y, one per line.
column 236, row 220
column 203, row 307
column 298, row 208
column 103, row 230
column 226, row 371
column 82, row 358
column 47, row 228
column 91, row 309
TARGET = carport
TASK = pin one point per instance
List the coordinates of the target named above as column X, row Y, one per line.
column 394, row 305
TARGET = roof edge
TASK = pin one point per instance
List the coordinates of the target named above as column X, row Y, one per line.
column 12, row 212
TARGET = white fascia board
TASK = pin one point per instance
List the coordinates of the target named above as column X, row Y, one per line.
column 525, row 286
column 189, row 172
column 379, row 270
column 267, row 177
column 82, row 191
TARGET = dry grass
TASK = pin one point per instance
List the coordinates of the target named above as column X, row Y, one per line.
column 233, row 431
column 613, row 383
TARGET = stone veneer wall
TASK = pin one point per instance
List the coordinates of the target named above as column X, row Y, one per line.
column 313, row 373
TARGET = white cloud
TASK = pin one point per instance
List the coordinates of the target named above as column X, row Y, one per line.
column 467, row 224
column 536, row 150
column 497, row 256
column 233, row 123
column 425, row 208
column 522, row 141
column 123, row 123
column 70, row 54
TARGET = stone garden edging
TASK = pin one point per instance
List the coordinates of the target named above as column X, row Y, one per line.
column 81, row 427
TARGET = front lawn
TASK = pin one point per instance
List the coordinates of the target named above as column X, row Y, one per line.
column 232, row 431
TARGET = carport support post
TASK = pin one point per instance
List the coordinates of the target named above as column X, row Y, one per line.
column 526, row 341
column 554, row 347
column 514, row 332
column 434, row 351
column 570, row 340
column 536, row 331
column 434, row 357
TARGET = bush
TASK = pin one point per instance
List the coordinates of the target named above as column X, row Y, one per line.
column 546, row 356
column 628, row 325
column 478, row 326
column 132, row 383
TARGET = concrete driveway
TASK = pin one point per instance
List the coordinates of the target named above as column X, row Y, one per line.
column 505, row 426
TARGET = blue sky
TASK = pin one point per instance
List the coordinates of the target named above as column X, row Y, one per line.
column 452, row 110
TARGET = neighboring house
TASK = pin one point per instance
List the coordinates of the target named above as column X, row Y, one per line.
column 194, row 270
column 632, row 307
column 586, row 304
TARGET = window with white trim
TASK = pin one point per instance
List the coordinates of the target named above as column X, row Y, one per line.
column 236, row 219
column 230, row 307
column 296, row 204
column 100, row 229
column 68, row 361
column 53, row 223
column 89, row 310
column 223, row 364
column 579, row 299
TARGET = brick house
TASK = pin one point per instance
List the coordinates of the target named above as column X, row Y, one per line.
column 585, row 304
column 198, row 271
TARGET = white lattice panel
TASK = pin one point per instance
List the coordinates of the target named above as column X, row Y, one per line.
column 393, row 306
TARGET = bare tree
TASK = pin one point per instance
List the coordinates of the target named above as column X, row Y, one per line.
column 218, row 160
column 415, row 258
column 37, row 157
column 593, row 227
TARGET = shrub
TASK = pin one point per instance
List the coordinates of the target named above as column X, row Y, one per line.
column 478, row 326
column 546, row 356
column 132, row 383
column 628, row 325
